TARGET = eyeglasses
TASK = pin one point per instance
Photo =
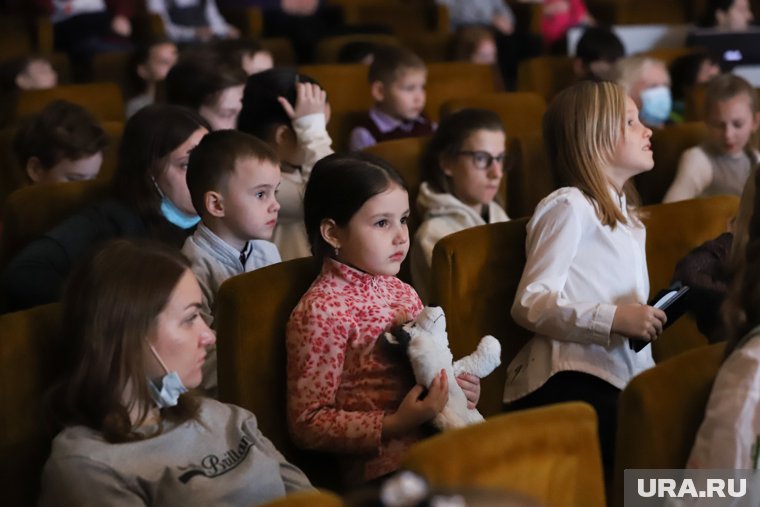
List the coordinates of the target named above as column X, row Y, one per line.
column 483, row 159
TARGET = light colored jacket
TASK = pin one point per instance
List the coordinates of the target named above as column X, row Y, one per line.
column 443, row 214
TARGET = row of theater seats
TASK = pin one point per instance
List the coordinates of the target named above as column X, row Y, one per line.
column 475, row 276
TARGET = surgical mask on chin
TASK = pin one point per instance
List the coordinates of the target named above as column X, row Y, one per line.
column 656, row 103
column 166, row 390
column 173, row 214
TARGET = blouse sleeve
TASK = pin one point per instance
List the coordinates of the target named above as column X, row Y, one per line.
column 540, row 303
column 316, row 349
column 692, row 178
column 311, row 132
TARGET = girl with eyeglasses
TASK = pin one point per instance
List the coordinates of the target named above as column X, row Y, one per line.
column 585, row 285
column 462, row 168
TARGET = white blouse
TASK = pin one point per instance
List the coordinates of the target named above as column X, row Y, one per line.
column 577, row 271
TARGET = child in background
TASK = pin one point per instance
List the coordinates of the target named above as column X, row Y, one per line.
column 192, row 20
column 597, row 52
column 63, row 142
column 246, row 53
column 290, row 112
column 475, row 44
column 345, row 394
column 558, row 16
column 397, row 80
column 728, row 15
column 687, row 72
column 722, row 164
column 28, row 73
column 462, row 168
column 647, row 82
column 584, row 287
column 232, row 178
column 148, row 65
column 203, row 82
column 728, row 435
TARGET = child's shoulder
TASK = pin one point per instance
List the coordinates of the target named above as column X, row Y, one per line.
column 566, row 197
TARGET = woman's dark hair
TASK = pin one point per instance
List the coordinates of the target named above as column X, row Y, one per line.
column 448, row 139
column 708, row 18
column 199, row 76
column 262, row 113
column 109, row 308
column 684, row 71
column 149, row 137
column 339, row 186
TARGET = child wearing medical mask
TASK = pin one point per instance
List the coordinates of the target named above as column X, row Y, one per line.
column 647, row 82
column 722, row 164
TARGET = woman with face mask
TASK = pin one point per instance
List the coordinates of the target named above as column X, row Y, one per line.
column 148, row 198
column 647, row 82
column 132, row 434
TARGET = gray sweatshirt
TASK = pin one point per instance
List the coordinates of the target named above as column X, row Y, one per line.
column 221, row 459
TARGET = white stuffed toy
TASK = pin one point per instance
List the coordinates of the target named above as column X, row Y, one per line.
column 427, row 346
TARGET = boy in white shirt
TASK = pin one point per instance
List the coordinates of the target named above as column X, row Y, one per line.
column 232, row 178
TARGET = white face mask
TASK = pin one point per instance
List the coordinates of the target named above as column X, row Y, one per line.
column 167, row 390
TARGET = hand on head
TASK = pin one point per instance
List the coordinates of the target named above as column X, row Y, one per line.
column 310, row 99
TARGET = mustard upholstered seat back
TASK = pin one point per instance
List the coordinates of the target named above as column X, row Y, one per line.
column 24, row 218
column 673, row 230
column 550, row 454
column 104, row 100
column 251, row 313
column 667, row 146
column 307, row 499
column 530, row 177
column 545, row 75
column 475, row 275
column 28, row 361
column 520, row 112
column 660, row 412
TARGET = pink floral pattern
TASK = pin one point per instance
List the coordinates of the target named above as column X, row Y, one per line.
column 340, row 383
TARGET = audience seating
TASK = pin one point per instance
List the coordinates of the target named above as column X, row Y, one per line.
column 695, row 103
column 104, row 100
column 328, row 49
column 520, row 112
column 112, row 67
column 251, row 313
column 404, row 155
column 550, row 454
column 281, row 49
column 660, row 412
column 475, row 274
column 529, row 178
column 667, row 146
column 29, row 361
column 249, row 20
column 401, row 18
column 449, row 80
column 545, row 75
column 667, row 55
column 673, row 230
column 24, row 218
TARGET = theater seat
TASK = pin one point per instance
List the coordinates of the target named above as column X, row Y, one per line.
column 673, row 230
column 550, row 454
column 28, row 363
column 475, row 273
column 328, row 48
column 307, row 499
column 530, row 178
column 520, row 112
column 660, row 411
column 545, row 75
column 104, row 100
column 667, row 146
column 251, row 313
column 25, row 217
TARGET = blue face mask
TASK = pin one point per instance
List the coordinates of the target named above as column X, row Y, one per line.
column 167, row 390
column 656, row 103
column 173, row 214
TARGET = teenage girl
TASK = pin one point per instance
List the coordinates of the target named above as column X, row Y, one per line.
column 345, row 395
column 462, row 168
column 722, row 164
column 584, row 288
column 290, row 112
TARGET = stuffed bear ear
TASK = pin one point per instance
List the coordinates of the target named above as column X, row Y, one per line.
column 397, row 336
